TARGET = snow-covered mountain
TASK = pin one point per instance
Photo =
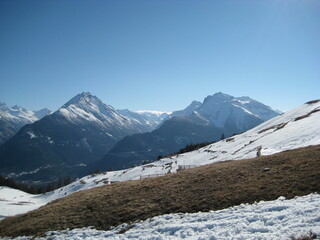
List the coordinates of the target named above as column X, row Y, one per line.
column 297, row 128
column 86, row 108
column 148, row 120
column 232, row 114
column 13, row 118
column 61, row 144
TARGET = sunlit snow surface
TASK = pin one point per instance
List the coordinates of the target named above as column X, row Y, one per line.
column 281, row 133
column 279, row 219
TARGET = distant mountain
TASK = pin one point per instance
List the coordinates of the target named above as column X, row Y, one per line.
column 199, row 122
column 13, row 118
column 233, row 114
column 229, row 113
column 146, row 120
column 61, row 144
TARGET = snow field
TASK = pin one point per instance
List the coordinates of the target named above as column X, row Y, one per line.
column 278, row 219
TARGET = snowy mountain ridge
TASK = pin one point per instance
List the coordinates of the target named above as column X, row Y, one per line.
column 13, row 118
column 297, row 128
column 24, row 114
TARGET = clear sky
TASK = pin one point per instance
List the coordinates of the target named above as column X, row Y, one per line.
column 159, row 54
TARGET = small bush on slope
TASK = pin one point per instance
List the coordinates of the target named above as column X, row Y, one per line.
column 211, row 187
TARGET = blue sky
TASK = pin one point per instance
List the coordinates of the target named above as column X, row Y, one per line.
column 159, row 54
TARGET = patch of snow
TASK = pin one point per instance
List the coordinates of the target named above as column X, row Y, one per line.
column 14, row 175
column 31, row 134
column 109, row 134
column 241, row 101
column 50, row 140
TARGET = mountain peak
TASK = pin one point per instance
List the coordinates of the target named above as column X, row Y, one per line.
column 3, row 106
column 16, row 107
column 83, row 98
column 86, row 94
column 218, row 97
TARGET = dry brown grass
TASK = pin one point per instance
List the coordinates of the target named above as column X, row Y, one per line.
column 210, row 187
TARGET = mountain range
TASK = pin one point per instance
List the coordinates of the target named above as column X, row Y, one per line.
column 293, row 129
column 85, row 133
column 13, row 118
column 218, row 115
column 62, row 143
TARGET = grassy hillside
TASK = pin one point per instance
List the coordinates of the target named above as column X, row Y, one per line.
column 210, row 187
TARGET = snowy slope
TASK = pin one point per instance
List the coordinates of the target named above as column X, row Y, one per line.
column 13, row 118
column 279, row 219
column 297, row 128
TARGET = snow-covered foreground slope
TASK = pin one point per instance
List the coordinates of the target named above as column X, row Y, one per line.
column 297, row 128
column 14, row 201
column 279, row 219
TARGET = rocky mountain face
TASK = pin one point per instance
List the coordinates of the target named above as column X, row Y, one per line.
column 61, row 144
column 200, row 122
column 13, row 118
